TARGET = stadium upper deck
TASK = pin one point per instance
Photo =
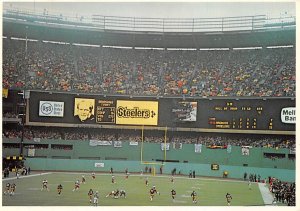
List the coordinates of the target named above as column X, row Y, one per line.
column 264, row 72
column 230, row 32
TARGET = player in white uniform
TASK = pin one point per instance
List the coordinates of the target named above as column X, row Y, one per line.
column 45, row 185
column 96, row 199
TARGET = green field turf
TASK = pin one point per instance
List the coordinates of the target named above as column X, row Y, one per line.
column 211, row 192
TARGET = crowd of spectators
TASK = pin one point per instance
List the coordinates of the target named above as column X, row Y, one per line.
column 206, row 140
column 58, row 67
column 284, row 192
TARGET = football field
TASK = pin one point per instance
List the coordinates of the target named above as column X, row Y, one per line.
column 210, row 191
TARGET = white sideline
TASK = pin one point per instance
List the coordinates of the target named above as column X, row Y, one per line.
column 21, row 177
column 265, row 193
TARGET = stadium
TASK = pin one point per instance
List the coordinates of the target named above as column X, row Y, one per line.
column 148, row 111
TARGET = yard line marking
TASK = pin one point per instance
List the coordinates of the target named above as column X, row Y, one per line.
column 22, row 177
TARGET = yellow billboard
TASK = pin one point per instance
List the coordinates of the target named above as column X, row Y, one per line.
column 137, row 112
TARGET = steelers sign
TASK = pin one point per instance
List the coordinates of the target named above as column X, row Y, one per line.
column 137, row 112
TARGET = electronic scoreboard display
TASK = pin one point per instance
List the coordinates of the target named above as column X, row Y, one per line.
column 105, row 111
column 217, row 114
column 256, row 114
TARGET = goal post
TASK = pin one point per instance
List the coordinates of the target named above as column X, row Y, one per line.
column 151, row 163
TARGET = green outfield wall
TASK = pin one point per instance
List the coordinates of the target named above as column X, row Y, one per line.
column 82, row 157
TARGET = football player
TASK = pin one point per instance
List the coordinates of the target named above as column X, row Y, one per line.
column 77, row 185
column 45, row 185
column 194, row 196
column 152, row 192
column 83, row 179
column 7, row 188
column 12, row 189
column 96, row 199
column 90, row 194
column 113, row 179
column 112, row 193
column 173, row 193
column 116, row 194
column 59, row 189
column 172, row 179
column 147, row 181
column 228, row 198
column 123, row 193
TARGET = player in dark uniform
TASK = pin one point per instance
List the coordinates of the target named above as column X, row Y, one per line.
column 152, row 192
column 93, row 176
column 83, row 179
column 12, row 189
column 173, row 193
column 194, row 196
column 116, row 194
column 123, row 193
column 147, row 181
column 112, row 193
column 45, row 185
column 77, row 185
column 172, row 179
column 7, row 188
column 90, row 194
column 228, row 198
column 59, row 189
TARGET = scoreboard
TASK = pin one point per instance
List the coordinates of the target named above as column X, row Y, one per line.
column 217, row 114
column 232, row 115
column 105, row 111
